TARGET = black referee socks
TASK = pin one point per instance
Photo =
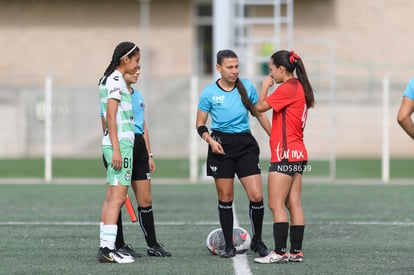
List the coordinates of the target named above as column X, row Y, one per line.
column 119, row 241
column 146, row 222
column 256, row 213
column 226, row 220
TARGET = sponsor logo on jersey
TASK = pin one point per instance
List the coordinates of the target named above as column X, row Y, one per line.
column 288, row 154
column 114, row 90
column 116, row 78
column 218, row 100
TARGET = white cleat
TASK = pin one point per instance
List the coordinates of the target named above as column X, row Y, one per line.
column 272, row 258
column 112, row 256
column 125, row 255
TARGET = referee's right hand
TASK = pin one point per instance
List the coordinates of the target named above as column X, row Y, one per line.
column 216, row 147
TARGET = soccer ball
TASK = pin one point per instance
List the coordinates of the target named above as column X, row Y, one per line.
column 216, row 244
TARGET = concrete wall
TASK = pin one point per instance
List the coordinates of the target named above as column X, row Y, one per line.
column 77, row 37
column 73, row 41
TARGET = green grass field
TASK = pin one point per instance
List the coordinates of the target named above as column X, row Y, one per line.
column 179, row 168
column 53, row 228
column 350, row 229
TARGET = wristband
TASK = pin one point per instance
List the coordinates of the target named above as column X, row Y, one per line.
column 201, row 130
column 150, row 155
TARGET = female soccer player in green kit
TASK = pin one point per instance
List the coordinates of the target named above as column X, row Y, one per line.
column 117, row 143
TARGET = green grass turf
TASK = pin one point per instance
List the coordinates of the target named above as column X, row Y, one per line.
column 179, row 168
column 339, row 238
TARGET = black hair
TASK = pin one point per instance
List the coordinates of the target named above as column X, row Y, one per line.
column 122, row 49
column 291, row 61
column 239, row 85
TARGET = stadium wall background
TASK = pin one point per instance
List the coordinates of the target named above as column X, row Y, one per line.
column 72, row 41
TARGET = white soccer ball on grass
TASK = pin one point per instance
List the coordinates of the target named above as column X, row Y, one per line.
column 241, row 239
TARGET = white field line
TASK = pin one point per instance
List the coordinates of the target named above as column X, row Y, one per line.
column 202, row 223
column 240, row 262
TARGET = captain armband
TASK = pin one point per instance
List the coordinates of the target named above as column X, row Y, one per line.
column 201, row 130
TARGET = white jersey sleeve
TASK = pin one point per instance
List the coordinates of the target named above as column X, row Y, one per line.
column 115, row 85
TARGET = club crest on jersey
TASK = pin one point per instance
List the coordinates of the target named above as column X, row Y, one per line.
column 128, row 175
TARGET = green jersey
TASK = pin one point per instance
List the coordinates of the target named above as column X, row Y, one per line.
column 116, row 88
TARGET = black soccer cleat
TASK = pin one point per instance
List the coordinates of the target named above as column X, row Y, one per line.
column 259, row 247
column 228, row 252
column 157, row 251
column 127, row 249
column 99, row 256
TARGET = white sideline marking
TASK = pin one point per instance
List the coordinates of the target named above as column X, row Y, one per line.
column 125, row 223
column 89, row 223
column 240, row 262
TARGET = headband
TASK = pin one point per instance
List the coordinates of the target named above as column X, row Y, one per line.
column 130, row 51
column 293, row 56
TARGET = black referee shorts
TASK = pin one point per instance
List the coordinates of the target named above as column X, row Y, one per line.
column 140, row 166
column 241, row 156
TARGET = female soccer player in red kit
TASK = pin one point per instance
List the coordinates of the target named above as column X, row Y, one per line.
column 290, row 103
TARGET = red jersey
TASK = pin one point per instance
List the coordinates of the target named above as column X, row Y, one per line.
column 288, row 122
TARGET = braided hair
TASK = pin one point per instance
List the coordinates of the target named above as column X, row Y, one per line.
column 239, row 85
column 123, row 49
column 291, row 61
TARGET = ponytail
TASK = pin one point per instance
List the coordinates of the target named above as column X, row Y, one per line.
column 245, row 98
column 304, row 80
column 123, row 49
column 291, row 61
